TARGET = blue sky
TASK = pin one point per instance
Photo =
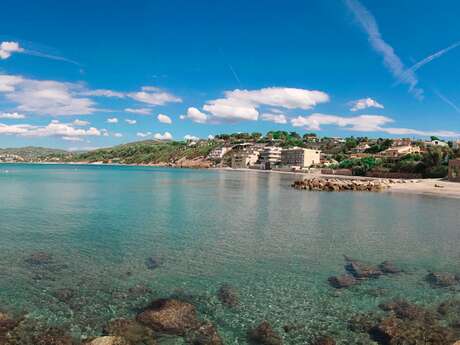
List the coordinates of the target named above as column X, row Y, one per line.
column 90, row 74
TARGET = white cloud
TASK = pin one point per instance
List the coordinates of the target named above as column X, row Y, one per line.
column 210, row 137
column 112, row 120
column 164, row 136
column 390, row 59
column 117, row 135
column 78, row 122
column 103, row 93
column 13, row 116
column 143, row 135
column 8, row 83
column 164, row 118
column 72, row 138
column 154, row 96
column 364, row 103
column 191, row 137
column 362, row 123
column 58, row 129
column 45, row 97
column 244, row 104
column 195, row 115
column 276, row 118
column 141, row 111
column 13, row 129
column 8, row 48
column 130, row 122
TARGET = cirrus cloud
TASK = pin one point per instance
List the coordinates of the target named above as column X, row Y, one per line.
column 12, row 116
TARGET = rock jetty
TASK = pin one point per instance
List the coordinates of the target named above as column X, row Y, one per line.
column 341, row 185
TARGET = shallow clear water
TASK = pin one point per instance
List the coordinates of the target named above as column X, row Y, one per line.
column 276, row 245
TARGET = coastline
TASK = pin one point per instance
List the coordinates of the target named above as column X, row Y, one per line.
column 421, row 187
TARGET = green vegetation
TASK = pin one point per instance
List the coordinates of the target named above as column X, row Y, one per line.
column 148, row 151
column 32, row 154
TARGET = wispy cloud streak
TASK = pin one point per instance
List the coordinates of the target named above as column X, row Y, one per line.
column 447, row 101
column 432, row 57
column 390, row 58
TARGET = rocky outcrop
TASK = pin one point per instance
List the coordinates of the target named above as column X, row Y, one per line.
column 228, row 296
column 388, row 267
column 205, row 334
column 196, row 163
column 170, row 316
column 265, row 335
column 55, row 336
column 340, row 185
column 361, row 270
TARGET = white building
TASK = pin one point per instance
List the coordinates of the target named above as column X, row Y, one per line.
column 436, row 143
column 270, row 156
column 219, row 152
column 242, row 159
column 298, row 157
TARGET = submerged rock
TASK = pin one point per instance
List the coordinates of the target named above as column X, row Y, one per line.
column 363, row 323
column 152, row 263
column 265, row 335
column 109, row 340
column 205, row 334
column 132, row 331
column 442, row 279
column 324, row 341
column 342, row 281
column 405, row 310
column 362, row 270
column 395, row 331
column 53, row 336
column 228, row 296
column 170, row 316
column 39, row 258
column 139, row 290
column 389, row 267
column 64, row 295
column 7, row 324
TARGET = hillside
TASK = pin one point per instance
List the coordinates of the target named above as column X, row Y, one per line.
column 147, row 152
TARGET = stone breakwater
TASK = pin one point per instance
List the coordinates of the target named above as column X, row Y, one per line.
column 340, row 185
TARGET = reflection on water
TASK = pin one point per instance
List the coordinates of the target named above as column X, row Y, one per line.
column 276, row 245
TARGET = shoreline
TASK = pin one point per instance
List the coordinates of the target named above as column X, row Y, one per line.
column 421, row 187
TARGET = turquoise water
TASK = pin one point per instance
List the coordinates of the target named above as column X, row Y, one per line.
column 276, row 245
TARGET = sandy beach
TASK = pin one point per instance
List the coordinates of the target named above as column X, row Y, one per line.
column 427, row 187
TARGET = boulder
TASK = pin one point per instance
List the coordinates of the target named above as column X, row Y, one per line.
column 342, row 281
column 170, row 316
column 228, row 296
column 405, row 310
column 108, row 340
column 265, row 335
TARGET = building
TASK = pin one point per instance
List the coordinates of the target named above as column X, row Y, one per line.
column 399, row 151
column 454, row 170
column 401, row 142
column 300, row 158
column 436, row 143
column 361, row 147
column 270, row 156
column 243, row 159
column 456, row 145
column 219, row 152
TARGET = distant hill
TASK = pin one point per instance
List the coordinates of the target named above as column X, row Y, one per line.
column 31, row 153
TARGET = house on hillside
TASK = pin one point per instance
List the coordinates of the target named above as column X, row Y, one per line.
column 398, row 151
column 436, row 143
column 300, row 158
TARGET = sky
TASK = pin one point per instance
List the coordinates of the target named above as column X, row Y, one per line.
column 86, row 74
